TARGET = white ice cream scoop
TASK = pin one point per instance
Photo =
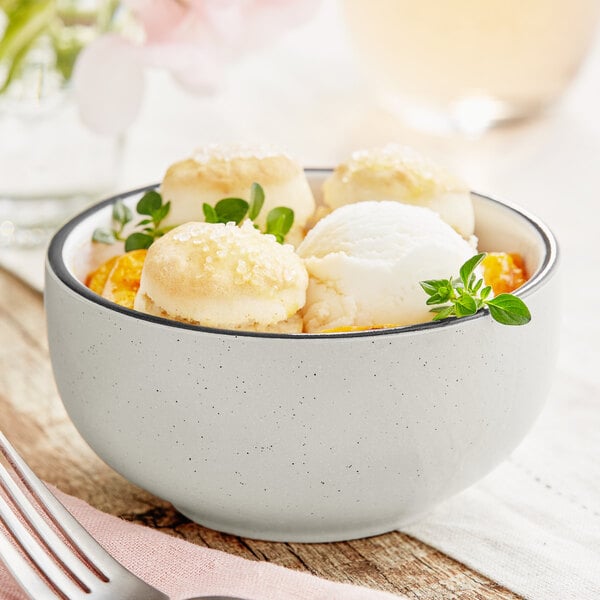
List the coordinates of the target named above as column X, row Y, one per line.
column 365, row 262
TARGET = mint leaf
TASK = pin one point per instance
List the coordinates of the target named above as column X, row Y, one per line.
column 465, row 305
column 439, row 290
column 121, row 214
column 432, row 286
column 509, row 310
column 150, row 202
column 468, row 267
column 210, row 216
column 443, row 313
column 138, row 241
column 279, row 222
column 257, row 199
column 103, row 235
column 231, row 209
column 160, row 213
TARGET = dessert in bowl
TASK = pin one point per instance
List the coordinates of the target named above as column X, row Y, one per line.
column 306, row 436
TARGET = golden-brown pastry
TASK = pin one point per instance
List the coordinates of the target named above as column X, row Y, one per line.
column 219, row 171
column 224, row 276
column 399, row 173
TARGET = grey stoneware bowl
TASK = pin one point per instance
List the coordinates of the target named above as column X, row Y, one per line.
column 307, row 438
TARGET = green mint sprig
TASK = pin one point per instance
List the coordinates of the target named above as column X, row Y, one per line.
column 464, row 295
column 121, row 215
column 279, row 220
column 153, row 210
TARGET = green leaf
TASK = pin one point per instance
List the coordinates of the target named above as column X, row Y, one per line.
column 160, row 213
column 257, row 199
column 469, row 266
column 468, row 296
column 231, row 209
column 439, row 298
column 8, row 5
column 509, row 310
column 121, row 213
column 104, row 236
column 465, row 305
column 149, row 203
column 438, row 309
column 210, row 216
column 431, row 286
column 444, row 313
column 27, row 20
column 145, row 222
column 279, row 221
column 138, row 241
column 440, row 290
column 15, row 65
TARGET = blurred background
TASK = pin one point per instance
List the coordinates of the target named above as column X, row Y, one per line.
column 502, row 92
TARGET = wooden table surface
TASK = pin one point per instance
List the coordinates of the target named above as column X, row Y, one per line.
column 33, row 418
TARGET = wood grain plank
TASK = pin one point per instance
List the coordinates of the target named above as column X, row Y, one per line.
column 32, row 416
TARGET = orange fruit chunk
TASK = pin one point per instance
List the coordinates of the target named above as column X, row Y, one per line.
column 118, row 279
column 504, row 272
column 96, row 280
column 124, row 279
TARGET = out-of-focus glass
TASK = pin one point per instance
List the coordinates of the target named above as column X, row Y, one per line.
column 51, row 165
column 466, row 65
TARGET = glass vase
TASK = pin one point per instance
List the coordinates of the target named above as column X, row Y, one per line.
column 51, row 165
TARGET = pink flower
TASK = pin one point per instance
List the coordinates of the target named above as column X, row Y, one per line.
column 193, row 39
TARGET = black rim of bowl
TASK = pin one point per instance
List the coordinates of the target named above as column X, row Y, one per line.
column 60, row 269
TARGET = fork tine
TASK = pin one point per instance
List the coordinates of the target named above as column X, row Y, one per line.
column 27, row 577
column 65, row 556
column 85, row 545
column 58, row 580
column 111, row 579
column 52, row 542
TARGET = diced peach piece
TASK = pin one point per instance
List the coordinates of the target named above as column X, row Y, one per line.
column 504, row 272
column 123, row 280
column 96, row 280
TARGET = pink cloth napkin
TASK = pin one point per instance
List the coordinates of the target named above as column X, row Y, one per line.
column 183, row 570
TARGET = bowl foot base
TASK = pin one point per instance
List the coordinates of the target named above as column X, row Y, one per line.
column 301, row 533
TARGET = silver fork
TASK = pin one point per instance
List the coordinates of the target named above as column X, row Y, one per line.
column 43, row 564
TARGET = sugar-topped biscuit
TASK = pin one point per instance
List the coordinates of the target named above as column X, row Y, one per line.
column 399, row 173
column 218, row 171
column 223, row 276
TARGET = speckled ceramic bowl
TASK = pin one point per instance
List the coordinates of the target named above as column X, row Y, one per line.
column 298, row 437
